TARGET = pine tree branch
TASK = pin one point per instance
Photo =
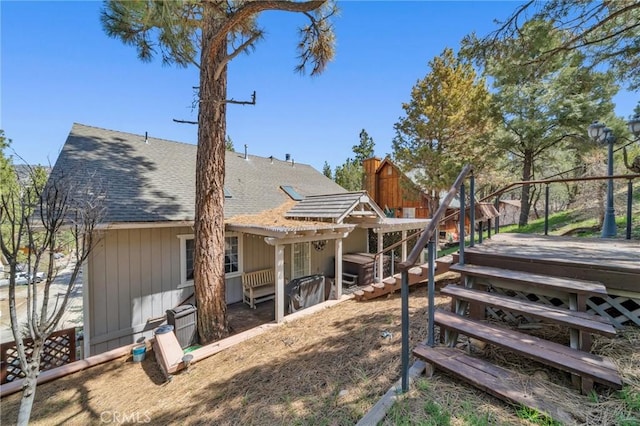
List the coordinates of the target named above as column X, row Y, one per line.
column 236, row 52
column 250, row 9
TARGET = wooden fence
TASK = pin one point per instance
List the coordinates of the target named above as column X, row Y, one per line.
column 59, row 349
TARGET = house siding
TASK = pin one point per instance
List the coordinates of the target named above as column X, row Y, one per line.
column 356, row 242
column 133, row 276
column 393, row 190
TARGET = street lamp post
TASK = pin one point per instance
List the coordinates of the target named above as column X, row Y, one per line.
column 602, row 134
column 634, row 125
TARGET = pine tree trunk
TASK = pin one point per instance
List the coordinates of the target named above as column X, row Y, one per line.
column 525, row 205
column 210, row 169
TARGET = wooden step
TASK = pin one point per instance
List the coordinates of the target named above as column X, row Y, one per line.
column 390, row 284
column 502, row 383
column 443, row 263
column 554, row 354
column 615, row 266
column 572, row 319
column 568, row 285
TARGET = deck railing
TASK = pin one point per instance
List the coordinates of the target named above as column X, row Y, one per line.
column 547, row 182
column 426, row 239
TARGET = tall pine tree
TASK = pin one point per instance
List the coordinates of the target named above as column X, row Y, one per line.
column 447, row 124
column 208, row 35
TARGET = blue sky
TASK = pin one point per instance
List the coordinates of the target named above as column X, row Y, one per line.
column 58, row 67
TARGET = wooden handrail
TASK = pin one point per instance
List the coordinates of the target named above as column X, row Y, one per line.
column 543, row 181
column 548, row 181
column 432, row 226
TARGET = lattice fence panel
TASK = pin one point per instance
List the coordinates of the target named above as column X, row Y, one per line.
column 619, row 309
column 506, row 316
column 59, row 349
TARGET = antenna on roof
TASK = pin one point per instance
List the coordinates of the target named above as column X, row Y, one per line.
column 293, row 163
column 287, row 157
column 246, row 156
column 146, row 138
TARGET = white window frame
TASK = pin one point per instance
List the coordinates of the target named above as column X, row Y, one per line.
column 183, row 258
column 293, row 260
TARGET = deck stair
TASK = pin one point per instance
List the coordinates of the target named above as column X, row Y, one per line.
column 417, row 274
column 485, row 287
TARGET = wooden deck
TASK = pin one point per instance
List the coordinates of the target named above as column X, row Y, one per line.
column 613, row 262
column 617, row 254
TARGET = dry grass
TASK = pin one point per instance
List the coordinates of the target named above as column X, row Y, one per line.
column 325, row 369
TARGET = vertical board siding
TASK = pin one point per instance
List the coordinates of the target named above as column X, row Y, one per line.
column 356, row 242
column 134, row 276
column 167, row 285
column 124, row 278
column 146, row 304
column 322, row 260
column 98, row 300
column 233, row 290
column 111, row 282
column 257, row 254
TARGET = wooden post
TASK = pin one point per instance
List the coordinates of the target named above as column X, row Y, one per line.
column 381, row 257
column 404, row 246
column 279, row 283
column 338, row 257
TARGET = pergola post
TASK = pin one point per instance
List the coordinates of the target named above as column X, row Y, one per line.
column 279, row 282
column 381, row 257
column 404, row 246
column 338, row 279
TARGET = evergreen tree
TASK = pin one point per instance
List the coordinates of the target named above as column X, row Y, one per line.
column 546, row 108
column 209, row 34
column 326, row 170
column 365, row 148
column 228, row 144
column 447, row 124
column 349, row 175
column 605, row 32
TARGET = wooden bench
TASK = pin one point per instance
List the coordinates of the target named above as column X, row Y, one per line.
column 258, row 286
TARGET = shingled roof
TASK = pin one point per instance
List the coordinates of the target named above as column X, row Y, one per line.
column 153, row 180
column 336, row 207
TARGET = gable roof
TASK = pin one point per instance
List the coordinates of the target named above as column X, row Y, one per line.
column 336, row 207
column 153, row 180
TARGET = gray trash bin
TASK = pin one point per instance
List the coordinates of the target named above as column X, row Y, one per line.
column 184, row 321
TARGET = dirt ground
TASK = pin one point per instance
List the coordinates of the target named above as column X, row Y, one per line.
column 326, row 369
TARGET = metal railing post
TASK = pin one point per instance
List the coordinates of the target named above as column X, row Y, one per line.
column 431, row 254
column 629, row 203
column 497, row 204
column 480, row 231
column 546, row 209
column 404, row 293
column 462, row 224
column 472, row 211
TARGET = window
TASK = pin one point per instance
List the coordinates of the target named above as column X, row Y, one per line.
column 232, row 257
column 291, row 192
column 190, row 247
column 301, row 262
column 409, row 212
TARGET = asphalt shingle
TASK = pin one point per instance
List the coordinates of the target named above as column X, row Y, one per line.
column 154, row 180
